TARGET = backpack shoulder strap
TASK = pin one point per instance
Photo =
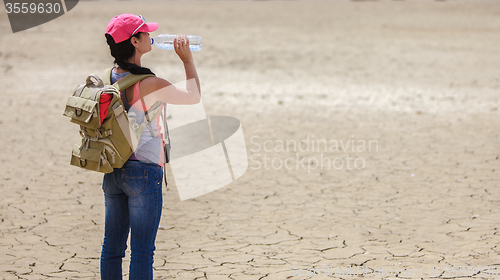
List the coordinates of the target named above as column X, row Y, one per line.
column 130, row 80
column 125, row 82
column 106, row 76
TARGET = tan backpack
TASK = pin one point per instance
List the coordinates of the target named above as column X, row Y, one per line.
column 109, row 144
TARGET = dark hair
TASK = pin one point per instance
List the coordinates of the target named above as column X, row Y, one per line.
column 123, row 51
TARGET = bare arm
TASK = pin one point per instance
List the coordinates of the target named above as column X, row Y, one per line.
column 181, row 45
column 156, row 89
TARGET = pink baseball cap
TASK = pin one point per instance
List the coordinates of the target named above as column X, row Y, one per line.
column 125, row 26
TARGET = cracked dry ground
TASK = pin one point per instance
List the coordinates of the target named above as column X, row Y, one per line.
column 420, row 77
column 426, row 199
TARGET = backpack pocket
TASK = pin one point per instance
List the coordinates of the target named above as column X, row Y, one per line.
column 82, row 111
column 91, row 155
column 112, row 155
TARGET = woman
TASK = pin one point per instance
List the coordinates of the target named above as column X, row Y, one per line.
column 133, row 193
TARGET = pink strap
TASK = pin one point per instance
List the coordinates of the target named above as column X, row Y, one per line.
column 137, row 97
column 137, row 94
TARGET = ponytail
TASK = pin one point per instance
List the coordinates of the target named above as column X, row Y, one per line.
column 123, row 51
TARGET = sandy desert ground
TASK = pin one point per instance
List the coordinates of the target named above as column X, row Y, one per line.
column 417, row 79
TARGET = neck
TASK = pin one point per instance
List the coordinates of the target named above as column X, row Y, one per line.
column 135, row 59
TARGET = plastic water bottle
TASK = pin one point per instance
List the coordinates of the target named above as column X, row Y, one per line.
column 166, row 42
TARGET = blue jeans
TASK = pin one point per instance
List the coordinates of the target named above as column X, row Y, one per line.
column 133, row 202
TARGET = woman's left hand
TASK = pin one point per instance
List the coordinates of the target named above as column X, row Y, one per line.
column 181, row 47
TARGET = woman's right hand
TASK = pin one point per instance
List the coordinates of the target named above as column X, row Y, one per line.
column 181, row 47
